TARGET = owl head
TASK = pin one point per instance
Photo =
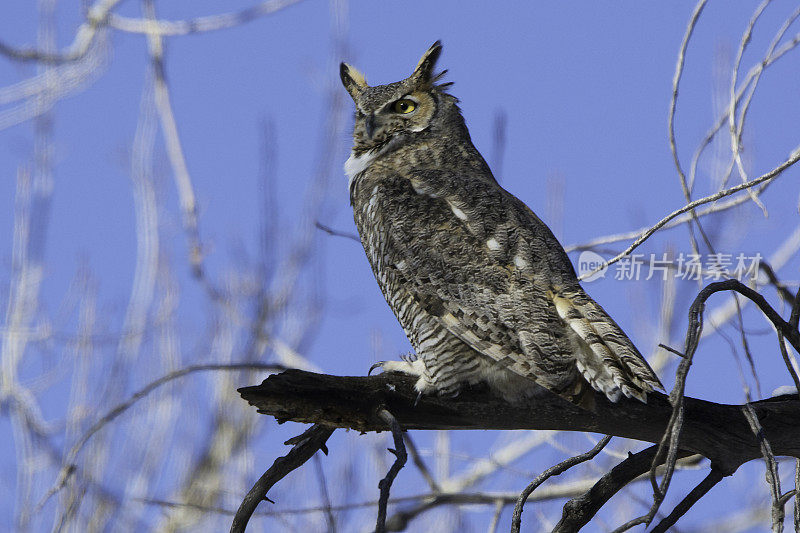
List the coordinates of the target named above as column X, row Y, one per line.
column 391, row 114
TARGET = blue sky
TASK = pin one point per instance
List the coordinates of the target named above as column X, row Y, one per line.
column 585, row 87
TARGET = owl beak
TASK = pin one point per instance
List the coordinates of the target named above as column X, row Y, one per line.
column 370, row 125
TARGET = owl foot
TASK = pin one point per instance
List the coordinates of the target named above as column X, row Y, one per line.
column 412, row 366
column 409, row 365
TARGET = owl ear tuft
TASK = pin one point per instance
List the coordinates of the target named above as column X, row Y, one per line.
column 353, row 80
column 424, row 70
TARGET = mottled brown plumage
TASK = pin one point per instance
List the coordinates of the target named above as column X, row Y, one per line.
column 481, row 286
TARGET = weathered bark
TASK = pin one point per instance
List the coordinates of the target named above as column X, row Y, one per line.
column 717, row 431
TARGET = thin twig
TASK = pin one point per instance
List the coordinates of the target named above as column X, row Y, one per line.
column 751, row 80
column 96, row 19
column 687, row 193
column 337, row 233
column 792, row 335
column 735, row 132
column 420, row 463
column 177, row 159
column 773, row 478
column 726, row 311
column 169, row 28
column 794, row 318
column 679, row 220
column 783, row 291
column 788, row 362
column 500, row 130
column 746, row 347
column 713, row 477
column 772, row 174
column 385, row 484
column 563, row 466
column 784, row 499
column 796, row 492
column 671, row 350
column 429, row 499
column 305, row 446
column 326, row 500
column 498, row 510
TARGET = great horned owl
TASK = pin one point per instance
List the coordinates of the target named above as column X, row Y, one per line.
column 481, row 286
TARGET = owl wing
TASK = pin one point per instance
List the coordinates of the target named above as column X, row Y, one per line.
column 493, row 275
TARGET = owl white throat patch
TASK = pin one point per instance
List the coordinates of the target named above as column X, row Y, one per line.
column 357, row 164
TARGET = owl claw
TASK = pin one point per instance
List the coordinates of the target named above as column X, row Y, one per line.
column 413, row 368
column 379, row 364
column 418, row 398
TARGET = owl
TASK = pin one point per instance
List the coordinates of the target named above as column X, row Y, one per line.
column 480, row 285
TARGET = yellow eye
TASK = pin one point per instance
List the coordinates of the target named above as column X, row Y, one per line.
column 404, row 106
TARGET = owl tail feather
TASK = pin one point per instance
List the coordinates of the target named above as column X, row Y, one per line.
column 605, row 356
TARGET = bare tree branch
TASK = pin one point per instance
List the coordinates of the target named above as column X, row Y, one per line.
column 736, row 131
column 500, row 129
column 713, row 477
column 794, row 318
column 323, row 487
column 177, row 159
column 385, row 484
column 337, row 233
column 716, row 431
column 687, row 194
column 772, row 174
column 773, row 478
column 784, row 292
column 796, row 514
column 420, row 464
column 96, row 19
column 560, row 468
column 670, row 443
column 305, row 446
column 579, row 510
column 399, row 521
column 788, row 362
column 170, row 28
column 791, row 334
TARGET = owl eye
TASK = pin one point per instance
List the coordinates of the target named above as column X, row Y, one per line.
column 404, row 106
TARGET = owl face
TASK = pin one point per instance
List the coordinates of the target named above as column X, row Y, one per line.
column 390, row 114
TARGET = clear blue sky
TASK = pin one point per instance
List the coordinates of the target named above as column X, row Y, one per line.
column 585, row 87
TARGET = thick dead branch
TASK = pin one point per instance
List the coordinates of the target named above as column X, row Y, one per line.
column 717, row 431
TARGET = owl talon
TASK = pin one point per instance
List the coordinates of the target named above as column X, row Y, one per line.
column 379, row 364
column 415, row 368
column 418, row 398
